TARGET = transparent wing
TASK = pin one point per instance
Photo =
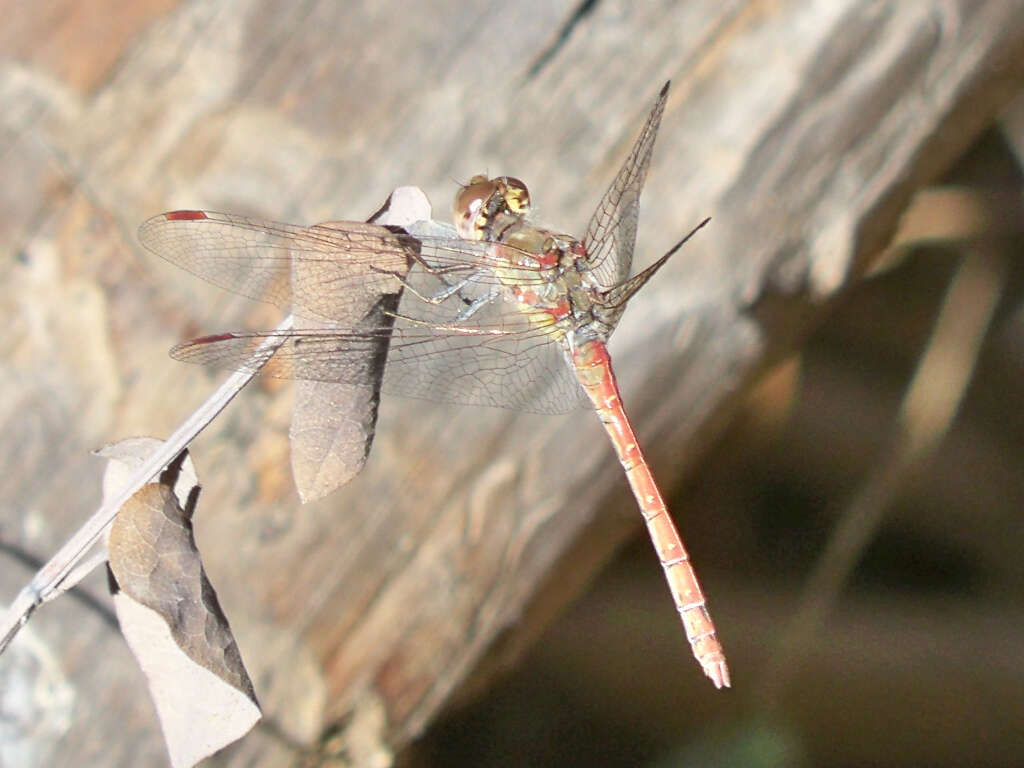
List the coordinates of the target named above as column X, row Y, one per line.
column 429, row 313
column 611, row 232
column 328, row 270
column 521, row 371
column 497, row 356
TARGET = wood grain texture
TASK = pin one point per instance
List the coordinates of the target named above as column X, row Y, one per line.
column 801, row 128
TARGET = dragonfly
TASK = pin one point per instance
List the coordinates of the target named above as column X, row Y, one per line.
column 496, row 311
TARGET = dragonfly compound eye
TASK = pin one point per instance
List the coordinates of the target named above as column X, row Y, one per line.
column 474, row 207
column 514, row 194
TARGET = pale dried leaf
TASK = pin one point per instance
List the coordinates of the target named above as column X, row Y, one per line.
column 173, row 623
column 199, row 713
column 126, row 456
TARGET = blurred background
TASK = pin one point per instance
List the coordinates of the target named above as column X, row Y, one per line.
column 827, row 380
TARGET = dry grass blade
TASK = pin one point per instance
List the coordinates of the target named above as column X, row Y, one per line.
column 928, row 408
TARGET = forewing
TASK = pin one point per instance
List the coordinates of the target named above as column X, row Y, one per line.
column 611, row 233
column 251, row 257
column 331, row 271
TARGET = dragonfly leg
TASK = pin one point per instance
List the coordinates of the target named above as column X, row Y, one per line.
column 450, row 289
column 472, row 305
column 475, row 305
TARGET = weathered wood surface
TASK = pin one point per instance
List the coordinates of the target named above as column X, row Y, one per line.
column 800, row 128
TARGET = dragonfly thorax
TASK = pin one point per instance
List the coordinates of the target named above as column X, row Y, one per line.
column 568, row 296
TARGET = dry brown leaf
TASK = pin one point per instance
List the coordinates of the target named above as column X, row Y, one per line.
column 331, row 432
column 333, row 422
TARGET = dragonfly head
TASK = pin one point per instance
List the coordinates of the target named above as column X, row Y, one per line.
column 480, row 201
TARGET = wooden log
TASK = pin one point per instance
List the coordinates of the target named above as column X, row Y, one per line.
column 801, row 129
